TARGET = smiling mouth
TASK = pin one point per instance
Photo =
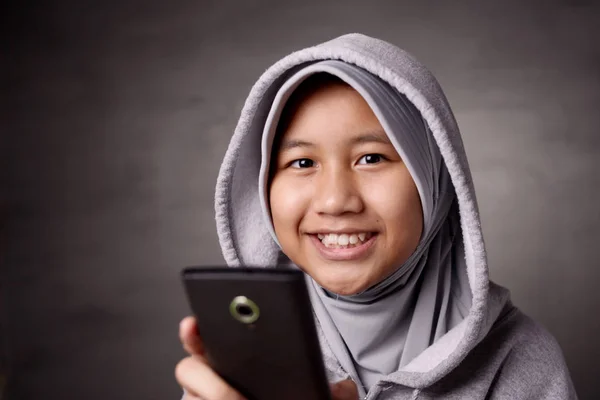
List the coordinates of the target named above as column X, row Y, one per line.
column 344, row 246
column 344, row 240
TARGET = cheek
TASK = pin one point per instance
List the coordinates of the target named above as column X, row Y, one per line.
column 287, row 202
column 397, row 204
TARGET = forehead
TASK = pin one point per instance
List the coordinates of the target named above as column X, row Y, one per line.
column 324, row 102
column 313, row 87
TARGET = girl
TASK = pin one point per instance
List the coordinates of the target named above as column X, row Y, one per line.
column 347, row 162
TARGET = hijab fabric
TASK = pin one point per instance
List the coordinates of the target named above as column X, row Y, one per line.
column 379, row 331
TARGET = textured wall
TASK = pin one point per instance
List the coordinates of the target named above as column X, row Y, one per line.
column 116, row 116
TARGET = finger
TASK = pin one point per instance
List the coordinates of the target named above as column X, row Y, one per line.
column 189, row 396
column 188, row 334
column 344, row 390
column 198, row 379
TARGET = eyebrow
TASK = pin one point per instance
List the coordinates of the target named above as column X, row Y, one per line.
column 378, row 136
column 292, row 144
column 367, row 137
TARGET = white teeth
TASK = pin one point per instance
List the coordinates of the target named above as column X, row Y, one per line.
column 344, row 239
column 332, row 240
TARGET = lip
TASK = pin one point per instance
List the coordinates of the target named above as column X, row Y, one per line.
column 349, row 254
column 341, row 229
column 340, row 232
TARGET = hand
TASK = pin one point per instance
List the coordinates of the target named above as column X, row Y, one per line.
column 344, row 390
column 201, row 383
column 194, row 374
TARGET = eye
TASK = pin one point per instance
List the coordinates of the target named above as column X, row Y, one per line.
column 371, row 159
column 302, row 163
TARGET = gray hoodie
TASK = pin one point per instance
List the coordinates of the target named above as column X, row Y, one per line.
column 495, row 352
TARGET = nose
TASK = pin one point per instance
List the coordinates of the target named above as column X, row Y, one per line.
column 337, row 192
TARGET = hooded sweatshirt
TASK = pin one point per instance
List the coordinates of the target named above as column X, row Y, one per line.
column 377, row 331
column 455, row 336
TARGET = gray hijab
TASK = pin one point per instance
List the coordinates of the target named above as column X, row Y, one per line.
column 379, row 331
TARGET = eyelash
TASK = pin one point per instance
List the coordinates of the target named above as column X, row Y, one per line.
column 293, row 163
column 296, row 163
column 380, row 156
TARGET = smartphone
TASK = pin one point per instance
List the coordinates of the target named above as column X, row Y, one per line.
column 258, row 329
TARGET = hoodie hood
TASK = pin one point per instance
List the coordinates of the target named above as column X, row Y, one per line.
column 246, row 238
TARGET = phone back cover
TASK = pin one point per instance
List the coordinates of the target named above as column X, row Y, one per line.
column 277, row 357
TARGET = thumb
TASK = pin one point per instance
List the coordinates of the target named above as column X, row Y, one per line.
column 344, row 390
column 190, row 339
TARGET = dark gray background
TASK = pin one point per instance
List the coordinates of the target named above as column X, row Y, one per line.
column 116, row 116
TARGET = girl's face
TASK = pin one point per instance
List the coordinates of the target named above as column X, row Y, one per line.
column 344, row 206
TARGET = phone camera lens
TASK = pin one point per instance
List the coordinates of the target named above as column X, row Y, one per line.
column 244, row 310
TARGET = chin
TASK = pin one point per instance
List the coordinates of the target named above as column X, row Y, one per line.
column 343, row 288
column 344, row 291
column 341, row 279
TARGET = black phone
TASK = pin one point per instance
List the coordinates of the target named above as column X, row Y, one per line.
column 258, row 329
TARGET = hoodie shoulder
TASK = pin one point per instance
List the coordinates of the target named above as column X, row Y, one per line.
column 518, row 359
column 534, row 367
